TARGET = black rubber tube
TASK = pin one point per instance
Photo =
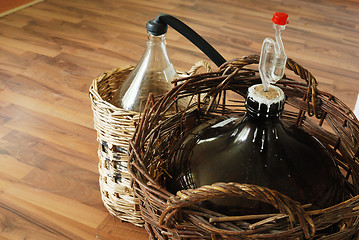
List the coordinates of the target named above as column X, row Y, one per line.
column 192, row 36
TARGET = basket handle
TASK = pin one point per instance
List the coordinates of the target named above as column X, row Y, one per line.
column 284, row 204
column 201, row 64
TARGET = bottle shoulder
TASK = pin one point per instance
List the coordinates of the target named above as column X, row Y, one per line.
column 262, row 136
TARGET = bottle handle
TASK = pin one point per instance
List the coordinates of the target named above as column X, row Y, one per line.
column 191, row 35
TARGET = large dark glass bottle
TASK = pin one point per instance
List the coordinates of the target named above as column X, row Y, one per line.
column 257, row 149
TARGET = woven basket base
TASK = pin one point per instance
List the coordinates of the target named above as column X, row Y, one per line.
column 115, row 127
column 115, row 185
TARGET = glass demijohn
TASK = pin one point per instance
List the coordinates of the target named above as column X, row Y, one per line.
column 258, row 149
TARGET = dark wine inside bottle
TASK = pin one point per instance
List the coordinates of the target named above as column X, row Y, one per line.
column 258, row 150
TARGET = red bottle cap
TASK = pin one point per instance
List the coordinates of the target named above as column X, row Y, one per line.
column 280, row 18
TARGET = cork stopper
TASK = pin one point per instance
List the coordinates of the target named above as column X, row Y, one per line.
column 270, row 94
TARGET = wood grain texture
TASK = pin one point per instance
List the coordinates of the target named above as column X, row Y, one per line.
column 49, row 54
column 11, row 6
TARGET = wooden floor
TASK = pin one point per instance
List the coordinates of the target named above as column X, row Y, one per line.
column 49, row 54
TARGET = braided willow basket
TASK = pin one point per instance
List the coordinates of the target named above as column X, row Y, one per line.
column 179, row 216
column 115, row 127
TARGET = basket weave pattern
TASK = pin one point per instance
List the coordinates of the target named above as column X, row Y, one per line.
column 169, row 216
column 115, row 127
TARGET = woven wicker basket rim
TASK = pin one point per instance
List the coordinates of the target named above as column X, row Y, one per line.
column 161, row 209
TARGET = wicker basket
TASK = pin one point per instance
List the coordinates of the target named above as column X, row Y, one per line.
column 179, row 216
column 115, row 127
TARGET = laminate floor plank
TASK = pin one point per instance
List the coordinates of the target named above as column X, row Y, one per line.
column 50, row 53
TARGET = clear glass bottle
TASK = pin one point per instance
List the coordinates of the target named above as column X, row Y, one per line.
column 257, row 149
column 153, row 73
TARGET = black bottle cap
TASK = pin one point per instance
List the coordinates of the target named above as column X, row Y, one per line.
column 156, row 26
column 268, row 105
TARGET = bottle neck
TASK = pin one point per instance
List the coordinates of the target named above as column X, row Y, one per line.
column 156, row 49
column 263, row 112
column 264, row 106
column 160, row 39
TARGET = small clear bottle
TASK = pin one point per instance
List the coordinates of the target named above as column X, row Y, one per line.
column 153, row 73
